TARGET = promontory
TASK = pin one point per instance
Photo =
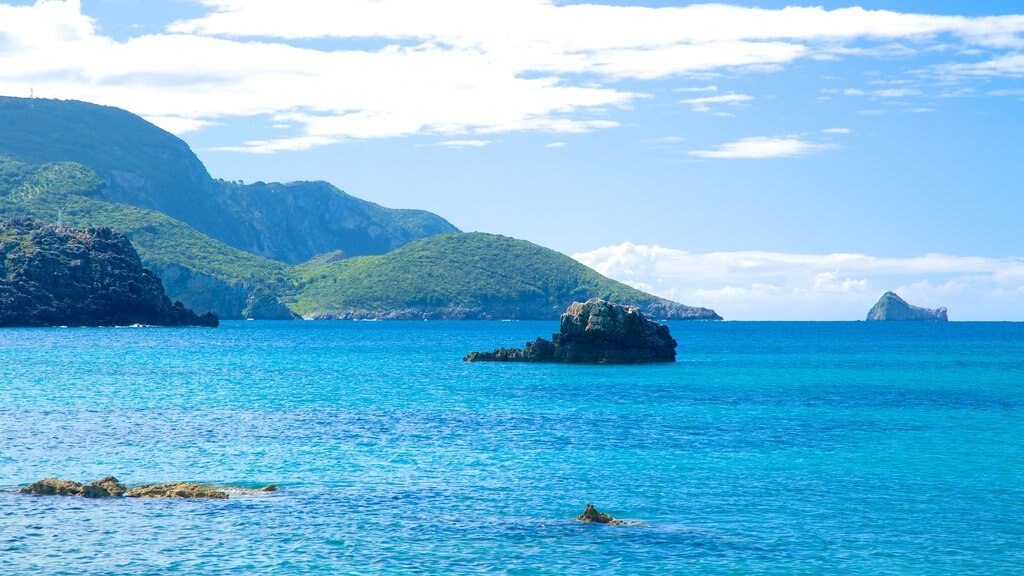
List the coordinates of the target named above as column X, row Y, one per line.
column 58, row 276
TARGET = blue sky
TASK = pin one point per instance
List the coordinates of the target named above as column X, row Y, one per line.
column 755, row 142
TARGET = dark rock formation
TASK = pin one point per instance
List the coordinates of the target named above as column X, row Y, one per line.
column 56, row 276
column 53, row 487
column 176, row 490
column 592, row 516
column 108, row 487
column 891, row 307
column 594, row 332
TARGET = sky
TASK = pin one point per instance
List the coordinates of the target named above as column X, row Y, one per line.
column 772, row 160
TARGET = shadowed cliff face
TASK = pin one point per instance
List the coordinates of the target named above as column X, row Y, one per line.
column 142, row 165
column 54, row 276
column 891, row 307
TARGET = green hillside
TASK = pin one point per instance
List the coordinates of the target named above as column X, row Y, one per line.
column 144, row 166
column 462, row 276
column 235, row 279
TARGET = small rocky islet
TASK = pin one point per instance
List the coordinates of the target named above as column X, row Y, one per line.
column 890, row 308
column 594, row 332
column 111, row 487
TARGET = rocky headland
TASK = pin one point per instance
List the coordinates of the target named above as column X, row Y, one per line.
column 58, row 276
column 891, row 307
column 594, row 332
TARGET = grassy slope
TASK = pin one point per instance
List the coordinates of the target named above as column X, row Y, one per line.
column 40, row 190
column 449, row 275
column 471, row 271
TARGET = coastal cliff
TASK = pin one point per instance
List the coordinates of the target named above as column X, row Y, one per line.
column 57, row 276
column 891, row 307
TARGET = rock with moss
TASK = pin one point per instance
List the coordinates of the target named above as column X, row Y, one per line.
column 592, row 515
column 176, row 490
column 594, row 332
column 891, row 307
column 108, row 487
column 58, row 276
column 53, row 487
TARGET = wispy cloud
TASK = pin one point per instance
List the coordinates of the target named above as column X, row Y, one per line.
column 884, row 93
column 704, row 104
column 711, row 88
column 556, row 144
column 779, row 286
column 500, row 66
column 761, row 147
column 464, row 143
column 837, row 130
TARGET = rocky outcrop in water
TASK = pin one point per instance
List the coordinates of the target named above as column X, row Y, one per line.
column 110, row 487
column 53, row 487
column 176, row 490
column 592, row 515
column 594, row 332
column 891, row 307
column 57, row 276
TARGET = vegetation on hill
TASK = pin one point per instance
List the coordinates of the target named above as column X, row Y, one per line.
column 147, row 167
column 42, row 191
column 472, row 275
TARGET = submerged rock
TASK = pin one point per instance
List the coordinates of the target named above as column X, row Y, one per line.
column 593, row 516
column 891, row 307
column 269, row 488
column 108, row 487
column 176, row 490
column 594, row 332
column 53, row 487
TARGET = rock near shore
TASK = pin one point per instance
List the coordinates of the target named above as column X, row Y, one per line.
column 57, row 276
column 594, row 332
column 891, row 307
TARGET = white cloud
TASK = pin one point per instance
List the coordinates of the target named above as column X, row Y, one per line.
column 763, row 147
column 178, row 125
column 556, row 144
column 778, row 286
column 464, row 143
column 701, row 89
column 885, row 93
column 445, row 67
column 837, row 131
column 703, row 104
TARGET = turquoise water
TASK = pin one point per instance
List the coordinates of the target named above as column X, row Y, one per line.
column 775, row 448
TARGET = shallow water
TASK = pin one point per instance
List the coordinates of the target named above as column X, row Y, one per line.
column 813, row 448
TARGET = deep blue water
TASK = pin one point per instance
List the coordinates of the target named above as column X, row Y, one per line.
column 774, row 448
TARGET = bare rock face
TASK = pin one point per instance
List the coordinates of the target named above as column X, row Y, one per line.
column 176, row 490
column 891, row 307
column 594, row 332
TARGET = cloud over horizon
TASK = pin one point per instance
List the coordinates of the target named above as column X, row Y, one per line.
column 754, row 285
column 501, row 66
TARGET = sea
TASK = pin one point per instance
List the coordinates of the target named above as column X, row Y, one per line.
column 767, row 448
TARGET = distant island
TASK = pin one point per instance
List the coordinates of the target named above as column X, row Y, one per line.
column 891, row 307
column 57, row 276
column 271, row 250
